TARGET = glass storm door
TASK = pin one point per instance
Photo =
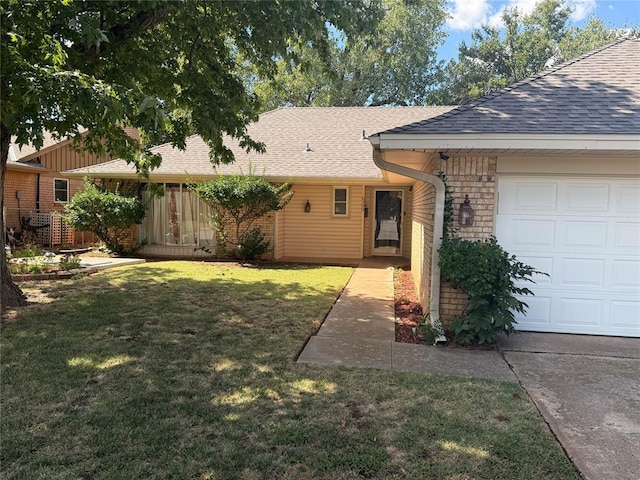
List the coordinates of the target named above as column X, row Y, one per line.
column 387, row 238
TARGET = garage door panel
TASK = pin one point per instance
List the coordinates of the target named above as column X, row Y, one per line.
column 529, row 197
column 585, row 234
column 541, row 264
column 538, row 312
column 588, row 240
column 625, row 315
column 538, row 233
column 627, row 235
column 579, row 311
column 626, row 274
column 629, row 199
column 582, row 272
column 590, row 197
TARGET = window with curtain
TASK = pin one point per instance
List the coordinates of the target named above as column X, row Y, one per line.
column 178, row 218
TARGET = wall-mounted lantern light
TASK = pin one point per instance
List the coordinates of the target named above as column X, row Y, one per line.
column 466, row 213
column 307, row 207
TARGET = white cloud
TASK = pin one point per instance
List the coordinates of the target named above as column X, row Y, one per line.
column 470, row 14
column 467, row 14
column 582, row 9
column 524, row 8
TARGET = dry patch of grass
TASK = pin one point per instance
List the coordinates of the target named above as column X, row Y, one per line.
column 186, row 370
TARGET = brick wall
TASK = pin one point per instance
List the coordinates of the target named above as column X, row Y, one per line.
column 24, row 182
column 474, row 176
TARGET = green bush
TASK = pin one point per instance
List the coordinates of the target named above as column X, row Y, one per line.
column 28, row 251
column 29, row 267
column 488, row 275
column 108, row 215
column 237, row 201
column 253, row 244
column 69, row 263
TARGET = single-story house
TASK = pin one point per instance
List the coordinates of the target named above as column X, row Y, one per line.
column 551, row 167
column 343, row 209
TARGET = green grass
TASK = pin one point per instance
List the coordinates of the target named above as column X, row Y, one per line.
column 186, row 371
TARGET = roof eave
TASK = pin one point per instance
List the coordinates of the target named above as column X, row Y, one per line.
column 185, row 176
column 501, row 141
column 25, row 167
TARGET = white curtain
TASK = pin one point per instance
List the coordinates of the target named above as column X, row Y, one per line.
column 178, row 218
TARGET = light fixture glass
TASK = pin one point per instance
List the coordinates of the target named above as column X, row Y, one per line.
column 466, row 213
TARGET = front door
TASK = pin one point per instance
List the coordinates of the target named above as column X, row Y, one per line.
column 387, row 238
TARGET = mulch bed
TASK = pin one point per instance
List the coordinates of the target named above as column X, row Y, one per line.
column 408, row 308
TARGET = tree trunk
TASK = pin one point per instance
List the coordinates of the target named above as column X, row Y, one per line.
column 10, row 293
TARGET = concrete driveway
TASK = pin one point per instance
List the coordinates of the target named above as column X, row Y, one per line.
column 588, row 390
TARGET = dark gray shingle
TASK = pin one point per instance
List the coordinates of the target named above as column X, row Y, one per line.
column 598, row 93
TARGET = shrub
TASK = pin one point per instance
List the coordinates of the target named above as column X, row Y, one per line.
column 239, row 200
column 108, row 215
column 69, row 263
column 253, row 244
column 488, row 275
column 28, row 251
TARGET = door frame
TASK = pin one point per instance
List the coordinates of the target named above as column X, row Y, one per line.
column 373, row 221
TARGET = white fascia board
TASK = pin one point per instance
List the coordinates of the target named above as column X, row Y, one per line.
column 498, row 141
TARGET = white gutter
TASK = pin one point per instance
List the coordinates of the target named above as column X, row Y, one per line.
column 438, row 229
column 500, row 141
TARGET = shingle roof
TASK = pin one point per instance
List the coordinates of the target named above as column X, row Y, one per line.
column 334, row 135
column 598, row 93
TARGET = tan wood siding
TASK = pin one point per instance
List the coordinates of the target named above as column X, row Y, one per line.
column 64, row 158
column 319, row 233
column 423, row 203
column 407, row 224
column 368, row 223
column 279, row 235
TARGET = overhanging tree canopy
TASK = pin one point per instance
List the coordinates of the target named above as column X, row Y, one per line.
column 169, row 68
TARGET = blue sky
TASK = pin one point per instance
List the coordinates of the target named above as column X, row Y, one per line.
column 467, row 15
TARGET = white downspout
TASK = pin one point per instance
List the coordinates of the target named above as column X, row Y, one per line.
column 438, row 229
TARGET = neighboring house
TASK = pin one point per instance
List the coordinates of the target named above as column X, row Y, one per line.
column 342, row 208
column 36, row 192
column 551, row 166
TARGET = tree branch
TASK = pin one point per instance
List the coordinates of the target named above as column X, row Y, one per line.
column 139, row 24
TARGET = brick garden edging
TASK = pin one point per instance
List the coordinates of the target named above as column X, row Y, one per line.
column 59, row 275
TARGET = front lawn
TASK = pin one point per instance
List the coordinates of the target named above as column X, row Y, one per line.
column 180, row 370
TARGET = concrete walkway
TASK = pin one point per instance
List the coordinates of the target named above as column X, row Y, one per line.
column 587, row 388
column 359, row 331
column 101, row 263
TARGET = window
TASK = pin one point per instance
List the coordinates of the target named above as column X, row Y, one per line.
column 60, row 190
column 178, row 218
column 340, row 201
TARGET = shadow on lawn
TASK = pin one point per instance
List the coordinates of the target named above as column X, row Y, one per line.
column 154, row 372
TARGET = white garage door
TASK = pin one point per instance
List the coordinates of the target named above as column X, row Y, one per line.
column 585, row 233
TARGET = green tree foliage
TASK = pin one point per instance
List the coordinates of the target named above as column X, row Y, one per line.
column 498, row 57
column 169, row 68
column 239, row 200
column 395, row 65
column 108, row 215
